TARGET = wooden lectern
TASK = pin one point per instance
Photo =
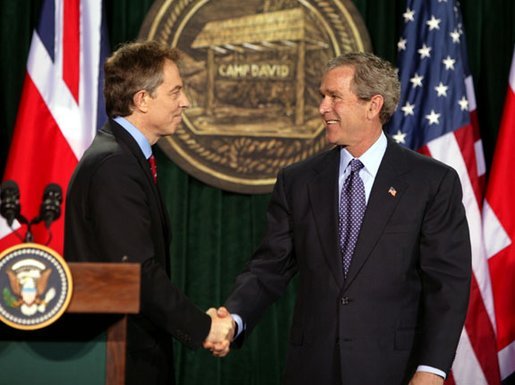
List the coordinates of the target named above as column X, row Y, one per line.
column 108, row 288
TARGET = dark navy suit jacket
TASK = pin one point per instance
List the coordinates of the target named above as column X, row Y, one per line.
column 115, row 212
column 404, row 301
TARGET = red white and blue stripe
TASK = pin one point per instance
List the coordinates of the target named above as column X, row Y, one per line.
column 61, row 106
column 499, row 232
column 437, row 116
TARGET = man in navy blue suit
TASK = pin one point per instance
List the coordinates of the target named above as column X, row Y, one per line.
column 115, row 212
column 395, row 314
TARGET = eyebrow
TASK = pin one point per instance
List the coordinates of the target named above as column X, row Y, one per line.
column 328, row 91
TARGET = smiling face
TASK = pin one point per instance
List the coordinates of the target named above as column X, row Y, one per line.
column 349, row 121
column 165, row 105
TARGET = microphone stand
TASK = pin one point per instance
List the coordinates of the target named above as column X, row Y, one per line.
column 28, row 235
column 49, row 209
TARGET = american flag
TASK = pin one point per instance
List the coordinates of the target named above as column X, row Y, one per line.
column 437, row 116
column 499, row 232
column 60, row 109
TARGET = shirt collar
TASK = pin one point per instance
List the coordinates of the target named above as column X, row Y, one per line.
column 371, row 158
column 143, row 143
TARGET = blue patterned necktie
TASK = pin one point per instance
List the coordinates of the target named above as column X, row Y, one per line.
column 352, row 209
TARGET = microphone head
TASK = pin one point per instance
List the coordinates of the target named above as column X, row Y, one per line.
column 50, row 209
column 53, row 189
column 9, row 201
column 9, row 185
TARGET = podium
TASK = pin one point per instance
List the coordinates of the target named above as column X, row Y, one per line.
column 108, row 288
column 101, row 291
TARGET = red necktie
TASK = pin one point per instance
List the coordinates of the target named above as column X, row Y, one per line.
column 153, row 167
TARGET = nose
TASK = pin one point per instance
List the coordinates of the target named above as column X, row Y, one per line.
column 184, row 102
column 325, row 105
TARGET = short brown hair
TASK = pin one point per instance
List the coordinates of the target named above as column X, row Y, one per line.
column 133, row 67
column 372, row 76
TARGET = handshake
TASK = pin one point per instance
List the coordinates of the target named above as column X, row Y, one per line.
column 222, row 332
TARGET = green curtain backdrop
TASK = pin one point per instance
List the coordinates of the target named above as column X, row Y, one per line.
column 214, row 232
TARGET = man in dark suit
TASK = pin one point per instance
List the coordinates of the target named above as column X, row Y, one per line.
column 382, row 249
column 115, row 212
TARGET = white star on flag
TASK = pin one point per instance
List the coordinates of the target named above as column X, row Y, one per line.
column 433, row 117
column 441, row 89
column 425, row 51
column 416, row 80
column 399, row 137
column 455, row 35
column 464, row 103
column 449, row 63
column 408, row 15
column 408, row 109
column 433, row 23
column 401, row 45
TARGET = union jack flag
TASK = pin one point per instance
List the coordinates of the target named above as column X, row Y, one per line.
column 60, row 109
column 499, row 232
column 437, row 116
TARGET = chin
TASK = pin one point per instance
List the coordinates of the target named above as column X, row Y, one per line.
column 172, row 130
column 331, row 139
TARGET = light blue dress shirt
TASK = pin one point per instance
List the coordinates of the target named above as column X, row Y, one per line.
column 371, row 160
column 143, row 143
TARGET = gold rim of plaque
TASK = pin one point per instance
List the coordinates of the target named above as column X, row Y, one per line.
column 251, row 72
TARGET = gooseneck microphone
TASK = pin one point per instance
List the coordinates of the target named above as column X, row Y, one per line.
column 49, row 211
column 10, row 202
column 50, row 208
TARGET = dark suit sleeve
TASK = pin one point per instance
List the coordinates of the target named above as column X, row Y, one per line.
column 272, row 266
column 126, row 223
column 445, row 271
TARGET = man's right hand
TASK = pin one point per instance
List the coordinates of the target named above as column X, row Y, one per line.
column 222, row 332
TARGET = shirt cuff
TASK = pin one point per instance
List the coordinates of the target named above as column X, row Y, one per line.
column 239, row 322
column 430, row 369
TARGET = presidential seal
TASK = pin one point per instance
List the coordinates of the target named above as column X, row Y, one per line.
column 36, row 286
column 251, row 71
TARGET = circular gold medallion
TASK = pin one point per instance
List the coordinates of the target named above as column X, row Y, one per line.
column 251, row 72
column 36, row 286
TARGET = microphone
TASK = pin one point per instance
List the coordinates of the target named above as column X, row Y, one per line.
column 10, row 202
column 50, row 208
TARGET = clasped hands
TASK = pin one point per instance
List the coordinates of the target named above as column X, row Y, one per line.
column 222, row 332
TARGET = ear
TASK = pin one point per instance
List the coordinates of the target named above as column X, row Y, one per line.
column 140, row 101
column 375, row 105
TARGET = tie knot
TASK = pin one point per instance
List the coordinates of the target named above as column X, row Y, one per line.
column 355, row 165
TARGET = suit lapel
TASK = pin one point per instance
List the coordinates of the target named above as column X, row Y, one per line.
column 323, row 197
column 127, row 141
column 386, row 193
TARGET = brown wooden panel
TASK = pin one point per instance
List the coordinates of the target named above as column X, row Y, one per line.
column 115, row 352
column 109, row 288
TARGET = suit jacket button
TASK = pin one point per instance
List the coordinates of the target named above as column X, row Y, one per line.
column 345, row 300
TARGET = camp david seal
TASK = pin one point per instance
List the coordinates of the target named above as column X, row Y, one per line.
column 251, row 71
column 35, row 284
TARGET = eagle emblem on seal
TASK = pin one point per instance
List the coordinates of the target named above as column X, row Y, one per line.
column 28, row 281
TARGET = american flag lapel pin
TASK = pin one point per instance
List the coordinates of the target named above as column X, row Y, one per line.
column 392, row 191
